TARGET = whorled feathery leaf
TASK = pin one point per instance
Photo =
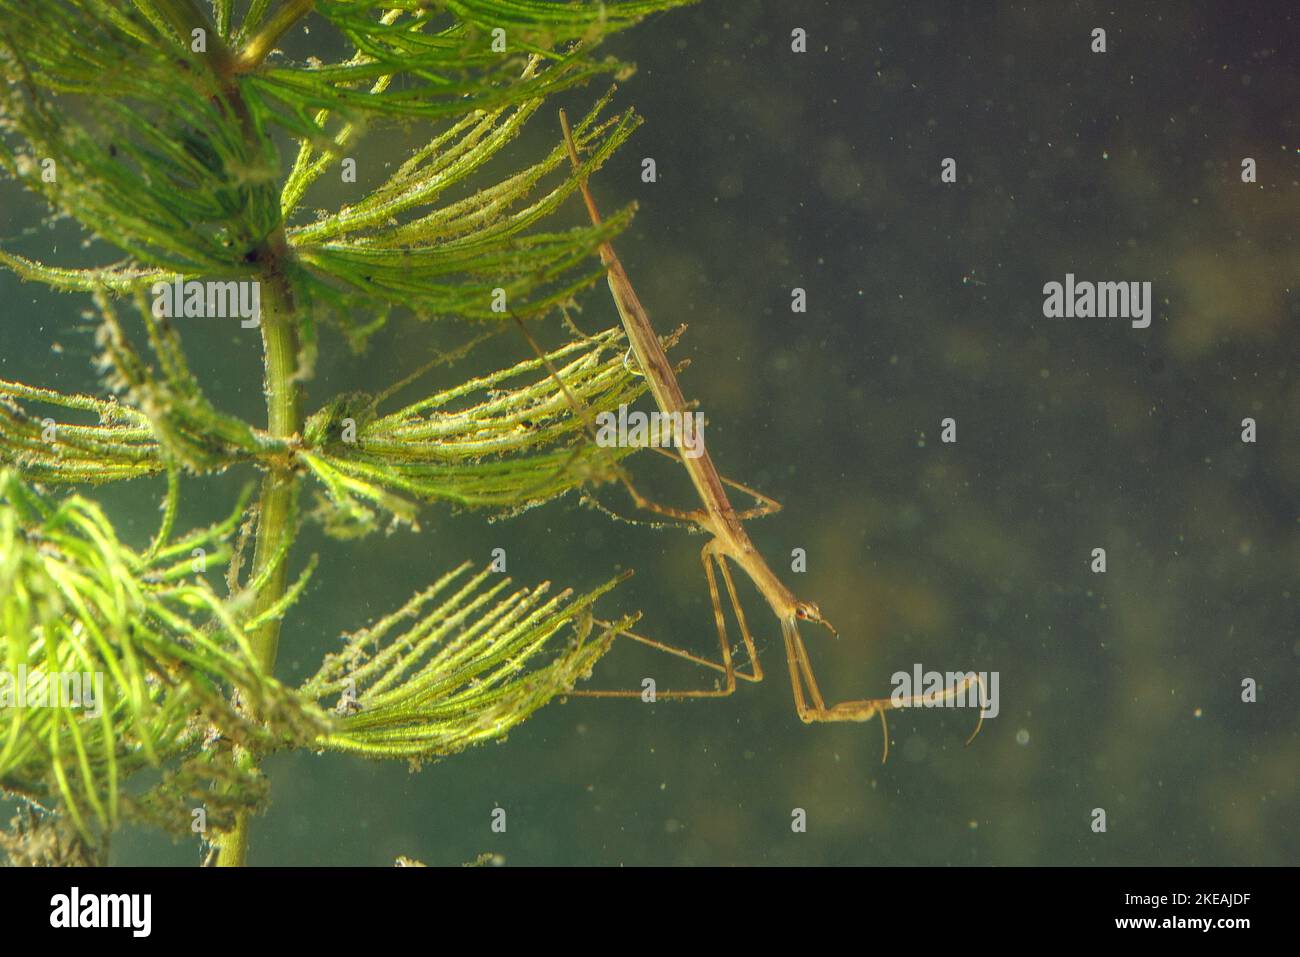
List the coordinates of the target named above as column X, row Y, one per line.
column 188, row 427
column 162, row 416
column 151, row 151
column 115, row 659
column 402, row 244
column 449, row 55
column 466, row 670
column 188, row 183
column 120, row 445
column 508, row 439
column 163, row 148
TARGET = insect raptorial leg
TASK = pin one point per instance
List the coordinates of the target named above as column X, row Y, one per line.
column 864, row 709
column 801, row 668
column 789, row 633
column 877, row 707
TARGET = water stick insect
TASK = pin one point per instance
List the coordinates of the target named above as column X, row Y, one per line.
column 728, row 540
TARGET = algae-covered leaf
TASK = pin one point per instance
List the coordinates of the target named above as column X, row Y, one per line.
column 114, row 660
column 118, row 444
column 508, row 440
column 476, row 659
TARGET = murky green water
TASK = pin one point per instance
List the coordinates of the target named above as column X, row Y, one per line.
column 1119, row 691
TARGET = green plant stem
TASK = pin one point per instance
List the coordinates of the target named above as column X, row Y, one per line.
column 186, row 16
column 284, row 420
column 257, row 48
column 275, row 524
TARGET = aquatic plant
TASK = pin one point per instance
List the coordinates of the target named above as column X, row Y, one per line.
column 155, row 125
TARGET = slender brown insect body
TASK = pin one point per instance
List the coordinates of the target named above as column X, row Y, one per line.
column 729, row 539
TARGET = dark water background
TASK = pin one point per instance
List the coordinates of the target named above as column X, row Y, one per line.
column 1118, row 691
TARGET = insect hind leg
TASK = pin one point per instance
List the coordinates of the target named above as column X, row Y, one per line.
column 726, row 666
